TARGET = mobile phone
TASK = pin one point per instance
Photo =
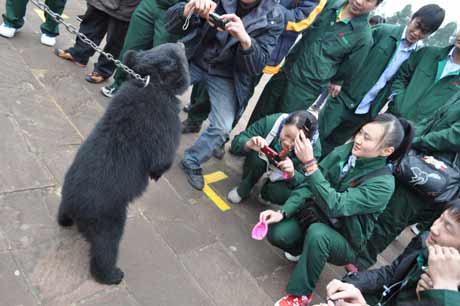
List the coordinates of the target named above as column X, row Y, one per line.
column 271, row 154
column 217, row 20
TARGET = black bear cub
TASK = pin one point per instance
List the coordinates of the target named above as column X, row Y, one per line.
column 135, row 139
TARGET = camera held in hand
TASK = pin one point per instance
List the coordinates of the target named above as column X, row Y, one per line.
column 217, row 21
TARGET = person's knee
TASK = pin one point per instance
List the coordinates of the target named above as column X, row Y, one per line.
column 317, row 236
column 279, row 236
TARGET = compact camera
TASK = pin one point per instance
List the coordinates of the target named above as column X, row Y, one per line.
column 217, row 20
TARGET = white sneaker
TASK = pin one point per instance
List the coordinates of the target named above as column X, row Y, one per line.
column 49, row 41
column 7, row 30
column 291, row 257
column 234, row 197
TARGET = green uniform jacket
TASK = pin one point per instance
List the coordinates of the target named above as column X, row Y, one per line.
column 442, row 297
column 386, row 39
column 357, row 208
column 418, row 94
column 329, row 50
column 440, row 134
column 262, row 128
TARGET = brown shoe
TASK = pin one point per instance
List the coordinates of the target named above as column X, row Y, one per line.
column 95, row 77
column 67, row 56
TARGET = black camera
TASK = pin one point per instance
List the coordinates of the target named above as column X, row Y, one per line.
column 217, row 20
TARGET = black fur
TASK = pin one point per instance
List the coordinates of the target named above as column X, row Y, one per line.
column 136, row 138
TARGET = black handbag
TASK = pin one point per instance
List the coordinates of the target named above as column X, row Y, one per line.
column 437, row 179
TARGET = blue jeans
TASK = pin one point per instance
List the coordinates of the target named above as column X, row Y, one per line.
column 223, row 110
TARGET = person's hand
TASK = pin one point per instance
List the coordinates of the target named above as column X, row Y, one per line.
column 303, row 148
column 256, row 143
column 235, row 27
column 334, row 89
column 424, row 283
column 343, row 294
column 200, row 7
column 444, row 267
column 287, row 166
column 270, row 216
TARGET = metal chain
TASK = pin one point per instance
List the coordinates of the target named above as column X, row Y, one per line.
column 72, row 29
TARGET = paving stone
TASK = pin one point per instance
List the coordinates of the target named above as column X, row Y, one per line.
column 26, row 219
column 13, row 288
column 20, row 168
column 59, row 161
column 223, row 278
column 258, row 257
column 58, row 269
column 116, row 297
column 153, row 273
column 274, row 281
column 173, row 218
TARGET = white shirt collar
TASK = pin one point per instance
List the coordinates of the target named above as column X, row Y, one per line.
column 403, row 39
column 451, row 55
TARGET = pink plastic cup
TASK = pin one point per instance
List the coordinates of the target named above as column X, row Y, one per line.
column 259, row 231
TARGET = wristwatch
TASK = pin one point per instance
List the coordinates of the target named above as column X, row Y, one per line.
column 282, row 212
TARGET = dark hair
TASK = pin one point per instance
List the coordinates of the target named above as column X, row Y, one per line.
column 430, row 16
column 376, row 19
column 303, row 120
column 379, row 1
column 398, row 134
column 454, row 209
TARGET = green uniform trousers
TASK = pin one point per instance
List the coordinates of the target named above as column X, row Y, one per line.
column 146, row 30
column 405, row 208
column 337, row 123
column 16, row 10
column 281, row 95
column 319, row 244
column 200, row 106
column 253, row 168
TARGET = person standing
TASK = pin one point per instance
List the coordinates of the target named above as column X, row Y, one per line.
column 102, row 18
column 146, row 30
column 364, row 95
column 298, row 16
column 227, row 59
column 331, row 50
column 13, row 20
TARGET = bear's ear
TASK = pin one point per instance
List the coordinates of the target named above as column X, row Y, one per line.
column 130, row 58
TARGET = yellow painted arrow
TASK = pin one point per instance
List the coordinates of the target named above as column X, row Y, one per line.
column 210, row 193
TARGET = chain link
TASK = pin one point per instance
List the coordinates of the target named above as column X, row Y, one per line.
column 72, row 29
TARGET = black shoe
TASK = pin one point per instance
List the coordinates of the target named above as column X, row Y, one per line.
column 194, row 176
column 219, row 152
column 190, row 127
column 187, row 108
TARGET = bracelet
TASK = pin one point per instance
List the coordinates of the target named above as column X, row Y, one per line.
column 310, row 162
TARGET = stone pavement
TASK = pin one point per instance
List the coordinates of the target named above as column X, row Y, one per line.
column 178, row 247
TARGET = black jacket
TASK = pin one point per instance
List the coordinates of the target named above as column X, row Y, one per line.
column 400, row 278
column 264, row 24
column 119, row 9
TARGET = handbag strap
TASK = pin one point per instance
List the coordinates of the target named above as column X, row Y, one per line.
column 382, row 171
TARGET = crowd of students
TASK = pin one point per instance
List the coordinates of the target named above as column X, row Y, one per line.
column 328, row 168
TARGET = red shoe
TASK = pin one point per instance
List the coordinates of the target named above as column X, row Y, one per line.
column 351, row 268
column 292, row 300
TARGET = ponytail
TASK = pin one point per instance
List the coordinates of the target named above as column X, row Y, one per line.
column 406, row 142
column 399, row 134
